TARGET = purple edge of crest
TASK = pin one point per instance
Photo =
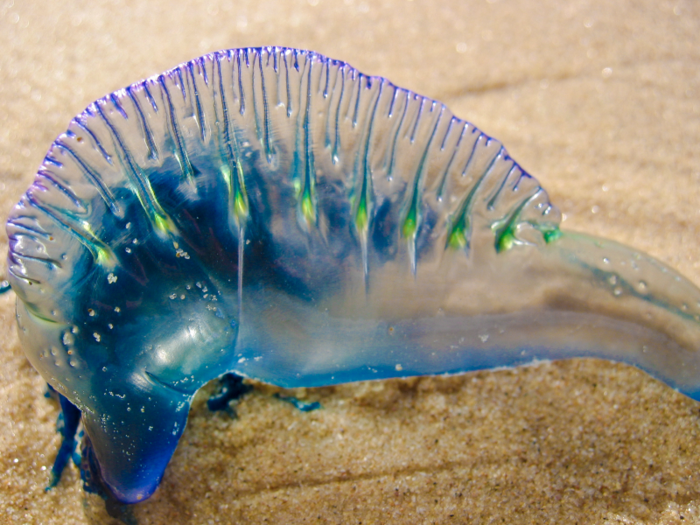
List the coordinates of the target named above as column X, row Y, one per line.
column 228, row 54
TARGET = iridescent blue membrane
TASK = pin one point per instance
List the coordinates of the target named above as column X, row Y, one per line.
column 278, row 214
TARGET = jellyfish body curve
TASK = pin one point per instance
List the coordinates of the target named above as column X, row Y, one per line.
column 278, row 214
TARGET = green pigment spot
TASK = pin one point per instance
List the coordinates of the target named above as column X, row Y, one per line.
column 240, row 197
column 104, row 257
column 240, row 205
column 161, row 223
column 551, row 234
column 307, row 206
column 410, row 224
column 457, row 239
column 361, row 219
column 505, row 240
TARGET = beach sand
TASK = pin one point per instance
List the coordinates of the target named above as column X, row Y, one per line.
column 599, row 100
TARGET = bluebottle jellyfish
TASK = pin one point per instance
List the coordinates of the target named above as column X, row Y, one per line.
column 278, row 214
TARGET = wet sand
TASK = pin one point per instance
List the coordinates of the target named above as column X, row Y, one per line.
column 600, row 101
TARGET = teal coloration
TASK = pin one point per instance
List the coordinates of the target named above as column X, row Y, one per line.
column 67, row 426
column 304, row 406
column 231, row 388
column 278, row 215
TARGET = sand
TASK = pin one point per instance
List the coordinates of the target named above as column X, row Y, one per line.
column 599, row 100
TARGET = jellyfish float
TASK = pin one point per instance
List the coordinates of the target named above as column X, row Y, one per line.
column 279, row 215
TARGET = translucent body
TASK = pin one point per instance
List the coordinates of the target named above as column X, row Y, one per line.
column 277, row 214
